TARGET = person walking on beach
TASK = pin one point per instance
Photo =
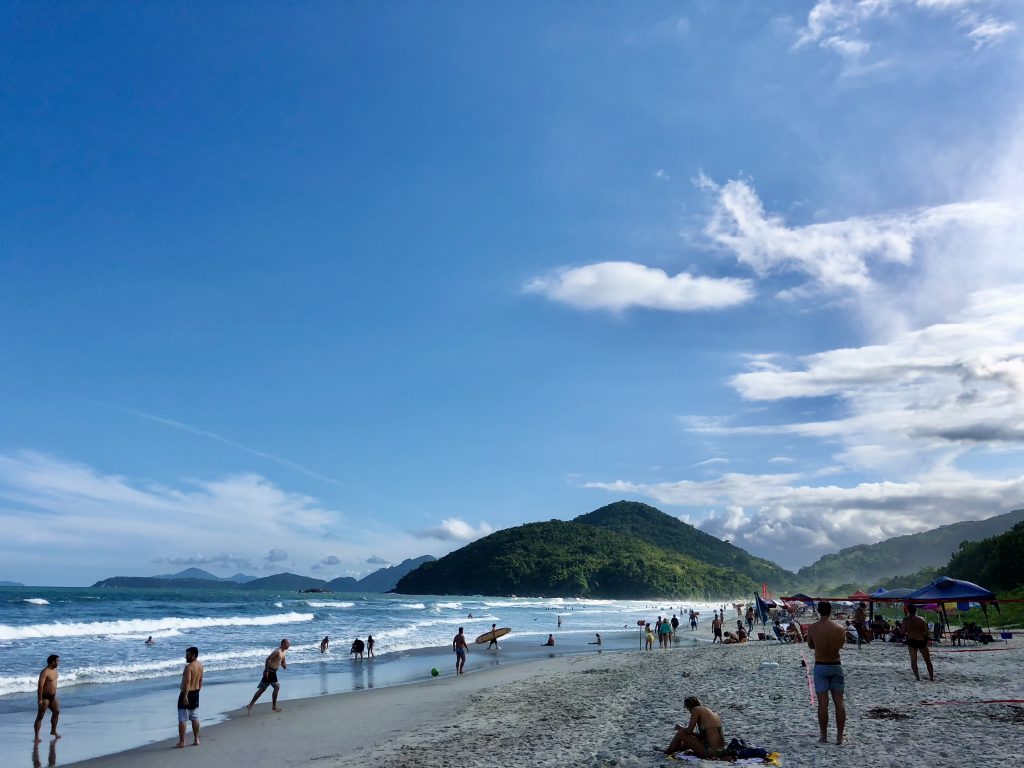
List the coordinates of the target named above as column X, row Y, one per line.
column 703, row 735
column 274, row 662
column 649, row 637
column 750, row 620
column 460, row 647
column 46, row 694
column 860, row 621
column 826, row 639
column 188, row 697
column 675, row 626
column 916, row 630
column 716, row 629
column 494, row 636
column 369, row 646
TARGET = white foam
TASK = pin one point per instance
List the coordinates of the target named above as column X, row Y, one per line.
column 148, row 626
column 453, row 606
column 36, row 601
column 279, row 605
column 413, row 606
column 329, row 604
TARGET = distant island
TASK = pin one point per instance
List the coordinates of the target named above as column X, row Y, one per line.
column 11, row 584
column 381, row 580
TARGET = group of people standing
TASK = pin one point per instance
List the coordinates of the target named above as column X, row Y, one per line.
column 664, row 629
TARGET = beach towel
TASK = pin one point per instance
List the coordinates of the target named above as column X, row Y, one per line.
column 772, row 759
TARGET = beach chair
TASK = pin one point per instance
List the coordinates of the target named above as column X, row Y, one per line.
column 780, row 635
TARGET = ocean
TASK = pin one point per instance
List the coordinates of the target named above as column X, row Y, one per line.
column 117, row 692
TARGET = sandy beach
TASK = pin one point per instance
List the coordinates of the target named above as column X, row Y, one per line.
column 612, row 709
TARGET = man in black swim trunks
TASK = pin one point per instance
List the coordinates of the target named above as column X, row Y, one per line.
column 47, row 696
column 917, row 640
column 188, row 697
column 274, row 662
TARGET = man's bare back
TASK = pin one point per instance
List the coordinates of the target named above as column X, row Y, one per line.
column 915, row 628
column 826, row 638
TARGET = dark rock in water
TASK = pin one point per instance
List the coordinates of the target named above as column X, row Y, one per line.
column 315, row 589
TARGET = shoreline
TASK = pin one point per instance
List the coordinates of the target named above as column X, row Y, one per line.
column 613, row 709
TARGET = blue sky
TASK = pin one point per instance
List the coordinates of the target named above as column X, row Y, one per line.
column 313, row 286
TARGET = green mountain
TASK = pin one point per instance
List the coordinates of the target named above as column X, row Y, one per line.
column 996, row 563
column 871, row 563
column 285, row 582
column 11, row 584
column 571, row 559
column 152, row 582
column 662, row 530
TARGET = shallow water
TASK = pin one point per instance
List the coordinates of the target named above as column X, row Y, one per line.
column 117, row 692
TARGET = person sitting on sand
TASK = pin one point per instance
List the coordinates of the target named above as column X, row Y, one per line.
column 703, row 736
column 897, row 635
column 598, row 641
column 551, row 641
column 794, row 632
column 357, row 649
column 730, row 638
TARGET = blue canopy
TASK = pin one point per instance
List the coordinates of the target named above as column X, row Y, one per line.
column 898, row 593
column 947, row 590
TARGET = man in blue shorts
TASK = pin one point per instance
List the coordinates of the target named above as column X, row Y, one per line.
column 827, row 639
column 460, row 646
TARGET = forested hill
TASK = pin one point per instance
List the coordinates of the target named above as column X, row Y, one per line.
column 996, row 563
column 871, row 563
column 658, row 528
column 563, row 559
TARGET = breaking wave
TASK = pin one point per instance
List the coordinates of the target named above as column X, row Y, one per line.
column 140, row 626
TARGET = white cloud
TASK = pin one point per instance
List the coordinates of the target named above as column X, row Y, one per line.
column 709, row 462
column 837, row 256
column 86, row 518
column 987, row 31
column 660, row 174
column 455, row 529
column 841, row 25
column 619, row 285
column 793, row 524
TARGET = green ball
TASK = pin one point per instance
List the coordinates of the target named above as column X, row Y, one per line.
column 434, row 672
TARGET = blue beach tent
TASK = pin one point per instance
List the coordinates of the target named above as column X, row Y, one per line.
column 947, row 590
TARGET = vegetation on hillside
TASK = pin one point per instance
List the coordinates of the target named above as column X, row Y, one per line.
column 655, row 527
column 996, row 563
column 869, row 563
column 570, row 559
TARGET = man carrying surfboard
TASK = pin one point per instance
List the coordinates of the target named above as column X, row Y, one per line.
column 460, row 647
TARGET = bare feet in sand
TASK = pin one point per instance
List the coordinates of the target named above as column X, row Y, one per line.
column 248, row 709
column 277, row 709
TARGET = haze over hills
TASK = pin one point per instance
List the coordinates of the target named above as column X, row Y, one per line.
column 574, row 559
column 381, row 580
column 199, row 573
column 663, row 530
column 11, row 584
column 870, row 563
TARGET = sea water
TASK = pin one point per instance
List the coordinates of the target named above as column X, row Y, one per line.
column 117, row 692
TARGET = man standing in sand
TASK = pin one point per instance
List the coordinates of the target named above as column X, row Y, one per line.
column 47, row 696
column 916, row 630
column 461, row 648
column 188, row 697
column 274, row 662
column 827, row 639
column 860, row 621
column 716, row 629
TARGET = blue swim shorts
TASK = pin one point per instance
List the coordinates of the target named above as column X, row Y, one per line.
column 829, row 677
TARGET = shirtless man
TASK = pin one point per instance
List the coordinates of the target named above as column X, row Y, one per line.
column 860, row 621
column 917, row 640
column 716, row 630
column 274, row 662
column 188, row 697
column 47, row 696
column 703, row 735
column 494, row 635
column 460, row 647
column 826, row 639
